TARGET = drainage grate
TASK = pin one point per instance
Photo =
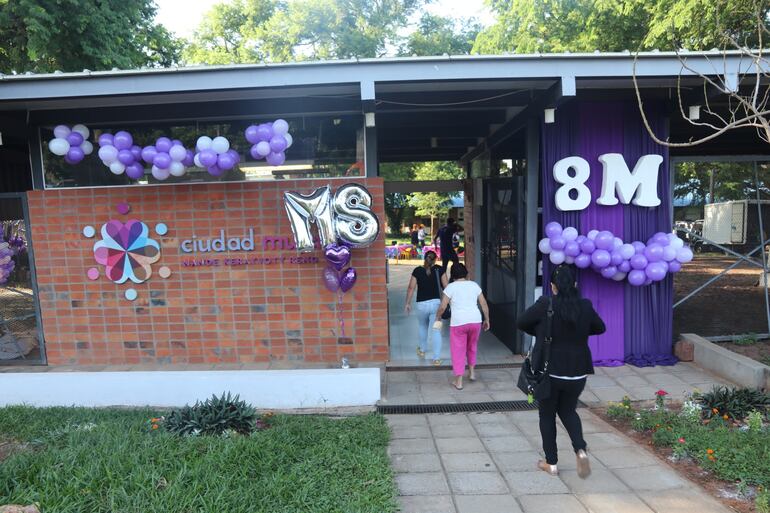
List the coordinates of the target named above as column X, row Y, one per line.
column 495, row 406
column 480, row 366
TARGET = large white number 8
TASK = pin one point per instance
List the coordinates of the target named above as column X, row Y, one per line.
column 572, row 183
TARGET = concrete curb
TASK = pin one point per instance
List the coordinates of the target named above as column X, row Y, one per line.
column 727, row 364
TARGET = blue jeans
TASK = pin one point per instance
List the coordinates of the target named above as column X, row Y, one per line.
column 426, row 314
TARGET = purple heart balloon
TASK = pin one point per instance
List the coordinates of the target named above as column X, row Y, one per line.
column 338, row 256
column 331, row 279
column 348, row 279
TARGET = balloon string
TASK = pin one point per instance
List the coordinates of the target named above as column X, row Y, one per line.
column 340, row 317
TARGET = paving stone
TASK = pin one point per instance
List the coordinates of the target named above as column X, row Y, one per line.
column 501, row 386
column 600, row 382
column 516, row 461
column 623, row 457
column 422, row 483
column 455, row 445
column 663, row 379
column 438, row 398
column 433, row 376
column 508, row 443
column 485, row 418
column 401, row 377
column 453, row 431
column 406, row 420
column 515, row 395
column 468, row 462
column 613, row 393
column 476, row 483
column 642, row 393
column 468, row 396
column 651, row 478
column 409, row 432
column 403, row 389
column 600, row 481
column 681, row 501
column 416, row 463
column 427, row 504
column 606, row 440
column 614, row 503
column 448, row 419
column 551, row 504
column 493, row 429
column 632, row 380
column 486, row 504
column 412, row 446
column 535, row 482
column 589, row 397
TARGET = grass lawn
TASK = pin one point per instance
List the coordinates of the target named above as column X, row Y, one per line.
column 109, row 460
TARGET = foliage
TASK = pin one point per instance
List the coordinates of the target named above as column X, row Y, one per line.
column 434, row 204
column 762, row 501
column 43, row 36
column 621, row 410
column 746, row 340
column 734, row 402
column 731, row 181
column 395, row 204
column 213, row 416
column 754, row 421
column 437, row 35
column 303, row 463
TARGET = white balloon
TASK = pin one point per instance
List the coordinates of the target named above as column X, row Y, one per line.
column 82, row 130
column 108, row 154
column 557, row 257
column 196, row 160
column 263, row 148
column 61, row 131
column 204, row 143
column 289, row 139
column 280, row 127
column 544, row 246
column 59, row 146
column 677, row 243
column 160, row 174
column 177, row 169
column 220, row 144
column 177, row 153
column 87, row 147
column 117, row 168
column 619, row 276
column 569, row 233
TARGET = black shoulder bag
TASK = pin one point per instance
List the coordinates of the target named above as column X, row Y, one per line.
column 448, row 312
column 537, row 384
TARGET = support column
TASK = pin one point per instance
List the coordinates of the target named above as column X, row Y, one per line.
column 531, row 193
column 368, row 106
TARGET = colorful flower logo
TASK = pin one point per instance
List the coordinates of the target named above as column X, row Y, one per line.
column 126, row 251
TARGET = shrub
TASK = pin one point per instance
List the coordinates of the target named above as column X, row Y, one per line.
column 214, row 416
column 762, row 501
column 733, row 402
column 746, row 340
column 621, row 410
column 754, row 421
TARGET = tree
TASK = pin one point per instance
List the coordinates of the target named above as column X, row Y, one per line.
column 436, row 35
column 43, row 36
column 711, row 182
column 434, row 204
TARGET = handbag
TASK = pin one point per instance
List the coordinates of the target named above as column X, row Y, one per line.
column 448, row 312
column 537, row 384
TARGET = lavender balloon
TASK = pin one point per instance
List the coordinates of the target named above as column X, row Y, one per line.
column 583, row 261
column 601, row 258
column 75, row 139
column 558, row 242
column 653, row 253
column 637, row 278
column 125, row 157
column 638, row 262
column 674, row 266
column 123, row 140
column 615, row 257
column 604, row 240
column 208, row 158
column 225, row 161
column 625, row 266
column 264, row 132
column 106, row 140
column 557, row 257
column 251, row 134
column 135, row 171
column 553, row 230
column 162, row 160
column 572, row 248
column 163, row 144
column 348, row 279
column 569, row 233
column 684, row 255
column 544, row 246
column 609, row 271
column 216, row 170
column 148, row 154
column 655, row 271
column 587, row 246
column 338, row 256
column 638, row 246
column 277, row 144
column 331, row 279
column 75, row 154
column 61, row 131
column 276, row 159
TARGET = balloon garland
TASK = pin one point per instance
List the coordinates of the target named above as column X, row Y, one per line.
column 215, row 155
column 71, row 143
column 640, row 263
column 269, row 141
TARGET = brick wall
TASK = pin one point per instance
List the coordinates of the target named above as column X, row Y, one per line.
column 234, row 314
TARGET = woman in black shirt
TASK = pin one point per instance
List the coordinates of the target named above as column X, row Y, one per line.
column 425, row 279
column 574, row 320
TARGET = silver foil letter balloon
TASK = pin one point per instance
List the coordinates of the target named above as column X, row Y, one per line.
column 314, row 208
column 356, row 224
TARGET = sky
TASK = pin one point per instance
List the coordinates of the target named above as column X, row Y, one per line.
column 183, row 16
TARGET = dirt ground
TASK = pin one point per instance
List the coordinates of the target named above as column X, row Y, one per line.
column 759, row 351
column 733, row 305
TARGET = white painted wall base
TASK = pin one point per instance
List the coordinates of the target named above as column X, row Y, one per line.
column 270, row 389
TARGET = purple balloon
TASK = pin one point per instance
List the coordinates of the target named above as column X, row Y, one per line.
column 337, row 256
column 572, row 248
column 277, row 143
column 637, row 278
column 684, row 255
column 176, row 142
column 75, row 154
column 162, row 160
column 604, row 240
column 615, row 258
column 647, row 281
column 106, row 140
column 638, row 246
column 655, row 271
column 75, row 139
column 669, row 253
column 136, row 151
column 625, row 266
column 674, row 266
column 609, row 271
column 135, row 171
column 627, row 251
column 661, row 239
column 264, row 132
column 276, row 159
column 125, row 157
column 163, row 144
column 580, row 239
column 583, row 261
column 148, row 154
column 331, row 279
column 553, row 230
column 254, row 153
column 348, row 279
column 235, row 155
column 216, row 170
column 601, row 258
column 189, row 159
column 558, row 242
column 123, row 140
column 251, row 134
column 588, row 246
column 225, row 161
column 638, row 261
column 208, row 158
column 653, row 253
column 68, row 160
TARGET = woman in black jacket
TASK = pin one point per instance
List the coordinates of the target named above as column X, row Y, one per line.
column 574, row 320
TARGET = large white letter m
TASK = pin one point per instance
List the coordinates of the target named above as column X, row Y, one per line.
column 639, row 187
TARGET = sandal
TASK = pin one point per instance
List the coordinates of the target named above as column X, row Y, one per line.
column 420, row 353
column 436, row 362
column 456, row 387
column 583, row 464
column 545, row 467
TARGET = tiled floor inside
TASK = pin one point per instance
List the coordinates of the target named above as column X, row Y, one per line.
column 403, row 328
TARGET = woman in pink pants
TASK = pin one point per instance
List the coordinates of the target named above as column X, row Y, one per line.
column 464, row 297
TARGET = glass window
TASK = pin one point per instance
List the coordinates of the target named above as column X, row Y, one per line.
column 323, row 147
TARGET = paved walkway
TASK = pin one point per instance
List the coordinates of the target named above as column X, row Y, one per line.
column 608, row 384
column 485, row 463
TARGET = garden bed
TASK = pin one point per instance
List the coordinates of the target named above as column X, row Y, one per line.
column 106, row 460
column 758, row 350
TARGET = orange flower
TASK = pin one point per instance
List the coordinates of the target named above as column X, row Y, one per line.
column 155, row 426
column 714, row 410
column 154, row 420
column 709, row 451
column 712, row 458
column 725, row 416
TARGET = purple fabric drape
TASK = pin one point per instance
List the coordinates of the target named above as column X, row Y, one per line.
column 638, row 318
